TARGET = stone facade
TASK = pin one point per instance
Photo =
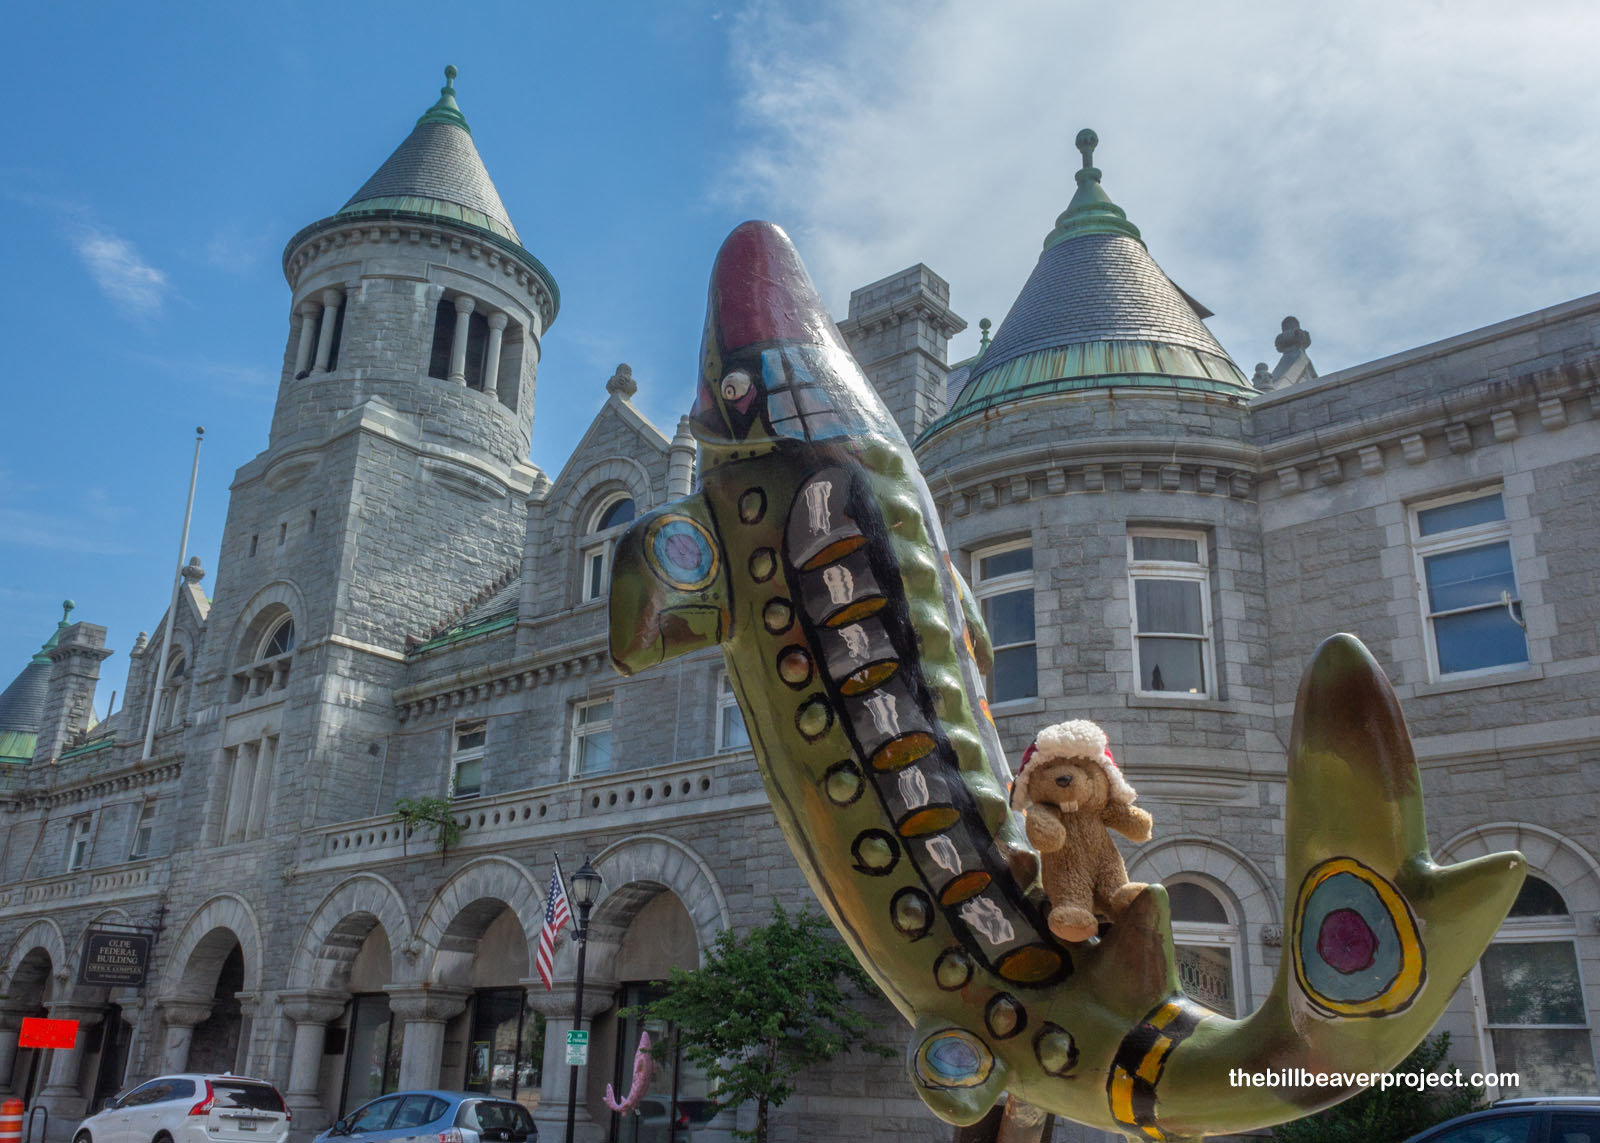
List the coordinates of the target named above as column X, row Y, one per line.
column 447, row 640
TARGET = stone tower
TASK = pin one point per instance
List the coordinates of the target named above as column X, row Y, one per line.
column 394, row 484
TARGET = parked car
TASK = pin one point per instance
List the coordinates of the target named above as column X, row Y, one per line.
column 439, row 1116
column 1574, row 1119
column 191, row 1108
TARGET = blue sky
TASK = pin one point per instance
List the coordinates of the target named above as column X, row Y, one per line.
column 1391, row 174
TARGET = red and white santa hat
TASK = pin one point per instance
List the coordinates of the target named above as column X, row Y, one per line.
column 1078, row 739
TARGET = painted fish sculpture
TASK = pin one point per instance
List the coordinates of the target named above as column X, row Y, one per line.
column 814, row 557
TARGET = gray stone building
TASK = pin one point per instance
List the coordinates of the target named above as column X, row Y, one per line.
column 407, row 607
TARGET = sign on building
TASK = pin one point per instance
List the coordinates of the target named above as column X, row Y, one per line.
column 578, row 1047
column 115, row 959
column 37, row 1032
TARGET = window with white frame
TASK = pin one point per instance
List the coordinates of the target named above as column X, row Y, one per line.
column 731, row 731
column 143, row 831
column 1002, row 584
column 591, row 736
column 1169, row 587
column 1468, row 584
column 80, row 834
column 1530, row 998
column 599, row 540
column 1210, row 960
column 466, row 760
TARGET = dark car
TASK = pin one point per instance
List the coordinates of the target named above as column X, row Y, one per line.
column 438, row 1116
column 1574, row 1119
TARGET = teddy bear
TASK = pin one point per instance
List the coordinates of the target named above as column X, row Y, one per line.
column 1071, row 793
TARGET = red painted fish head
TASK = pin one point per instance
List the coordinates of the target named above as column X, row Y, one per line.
column 772, row 362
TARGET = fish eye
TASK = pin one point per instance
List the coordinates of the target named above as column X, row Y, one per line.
column 735, row 385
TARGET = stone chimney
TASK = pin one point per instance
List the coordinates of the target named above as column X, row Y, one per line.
column 69, row 700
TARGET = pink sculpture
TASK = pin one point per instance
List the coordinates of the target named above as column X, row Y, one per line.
column 644, row 1066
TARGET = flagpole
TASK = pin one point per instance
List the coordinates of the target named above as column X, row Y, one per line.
column 172, row 608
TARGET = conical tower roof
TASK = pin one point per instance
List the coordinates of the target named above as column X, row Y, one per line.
column 436, row 170
column 22, row 703
column 436, row 176
column 1097, row 312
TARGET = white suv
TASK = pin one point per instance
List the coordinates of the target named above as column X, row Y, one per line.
column 191, row 1109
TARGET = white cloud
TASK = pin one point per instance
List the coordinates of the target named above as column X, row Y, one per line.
column 1389, row 173
column 133, row 285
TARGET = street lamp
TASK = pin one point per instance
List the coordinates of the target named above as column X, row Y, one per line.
column 585, row 888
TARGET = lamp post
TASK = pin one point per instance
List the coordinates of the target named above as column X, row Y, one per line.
column 585, row 888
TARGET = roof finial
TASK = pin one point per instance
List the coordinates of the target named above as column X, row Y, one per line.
column 446, row 110
column 1086, row 142
column 984, row 325
column 66, row 609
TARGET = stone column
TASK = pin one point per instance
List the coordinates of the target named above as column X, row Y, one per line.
column 458, row 344
column 308, row 329
column 330, row 316
column 61, row 1092
column 424, row 1011
column 181, row 1015
column 555, row 1005
column 10, row 1030
column 311, row 1011
column 491, row 356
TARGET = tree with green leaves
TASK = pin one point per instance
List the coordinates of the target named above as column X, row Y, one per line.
column 765, row 1005
column 1390, row 1116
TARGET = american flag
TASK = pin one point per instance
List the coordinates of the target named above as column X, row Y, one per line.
column 556, row 916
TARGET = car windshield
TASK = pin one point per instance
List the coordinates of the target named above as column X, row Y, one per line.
column 254, row 1096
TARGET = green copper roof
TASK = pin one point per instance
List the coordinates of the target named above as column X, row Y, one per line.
column 22, row 703
column 1095, row 313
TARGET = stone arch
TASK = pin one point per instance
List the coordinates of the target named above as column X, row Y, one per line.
column 1556, row 858
column 621, row 473
column 1231, row 875
column 635, row 871
column 205, row 942
column 26, row 973
column 344, row 919
column 466, row 905
column 264, row 609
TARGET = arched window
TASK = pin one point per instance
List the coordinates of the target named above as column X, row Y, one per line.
column 1210, row 961
column 168, row 708
column 606, row 524
column 1530, row 997
column 265, row 654
column 278, row 641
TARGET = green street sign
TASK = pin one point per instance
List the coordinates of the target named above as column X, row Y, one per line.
column 578, row 1048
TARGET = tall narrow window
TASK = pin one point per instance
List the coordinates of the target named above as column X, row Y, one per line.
column 1468, row 584
column 1531, row 999
column 143, row 831
column 605, row 528
column 591, row 737
column 477, row 344
column 466, row 762
column 80, row 833
column 1207, row 947
column 444, row 331
column 1003, row 586
column 1170, row 587
column 170, row 709
column 731, row 731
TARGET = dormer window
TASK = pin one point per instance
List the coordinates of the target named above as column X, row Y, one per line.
column 609, row 519
column 168, row 709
